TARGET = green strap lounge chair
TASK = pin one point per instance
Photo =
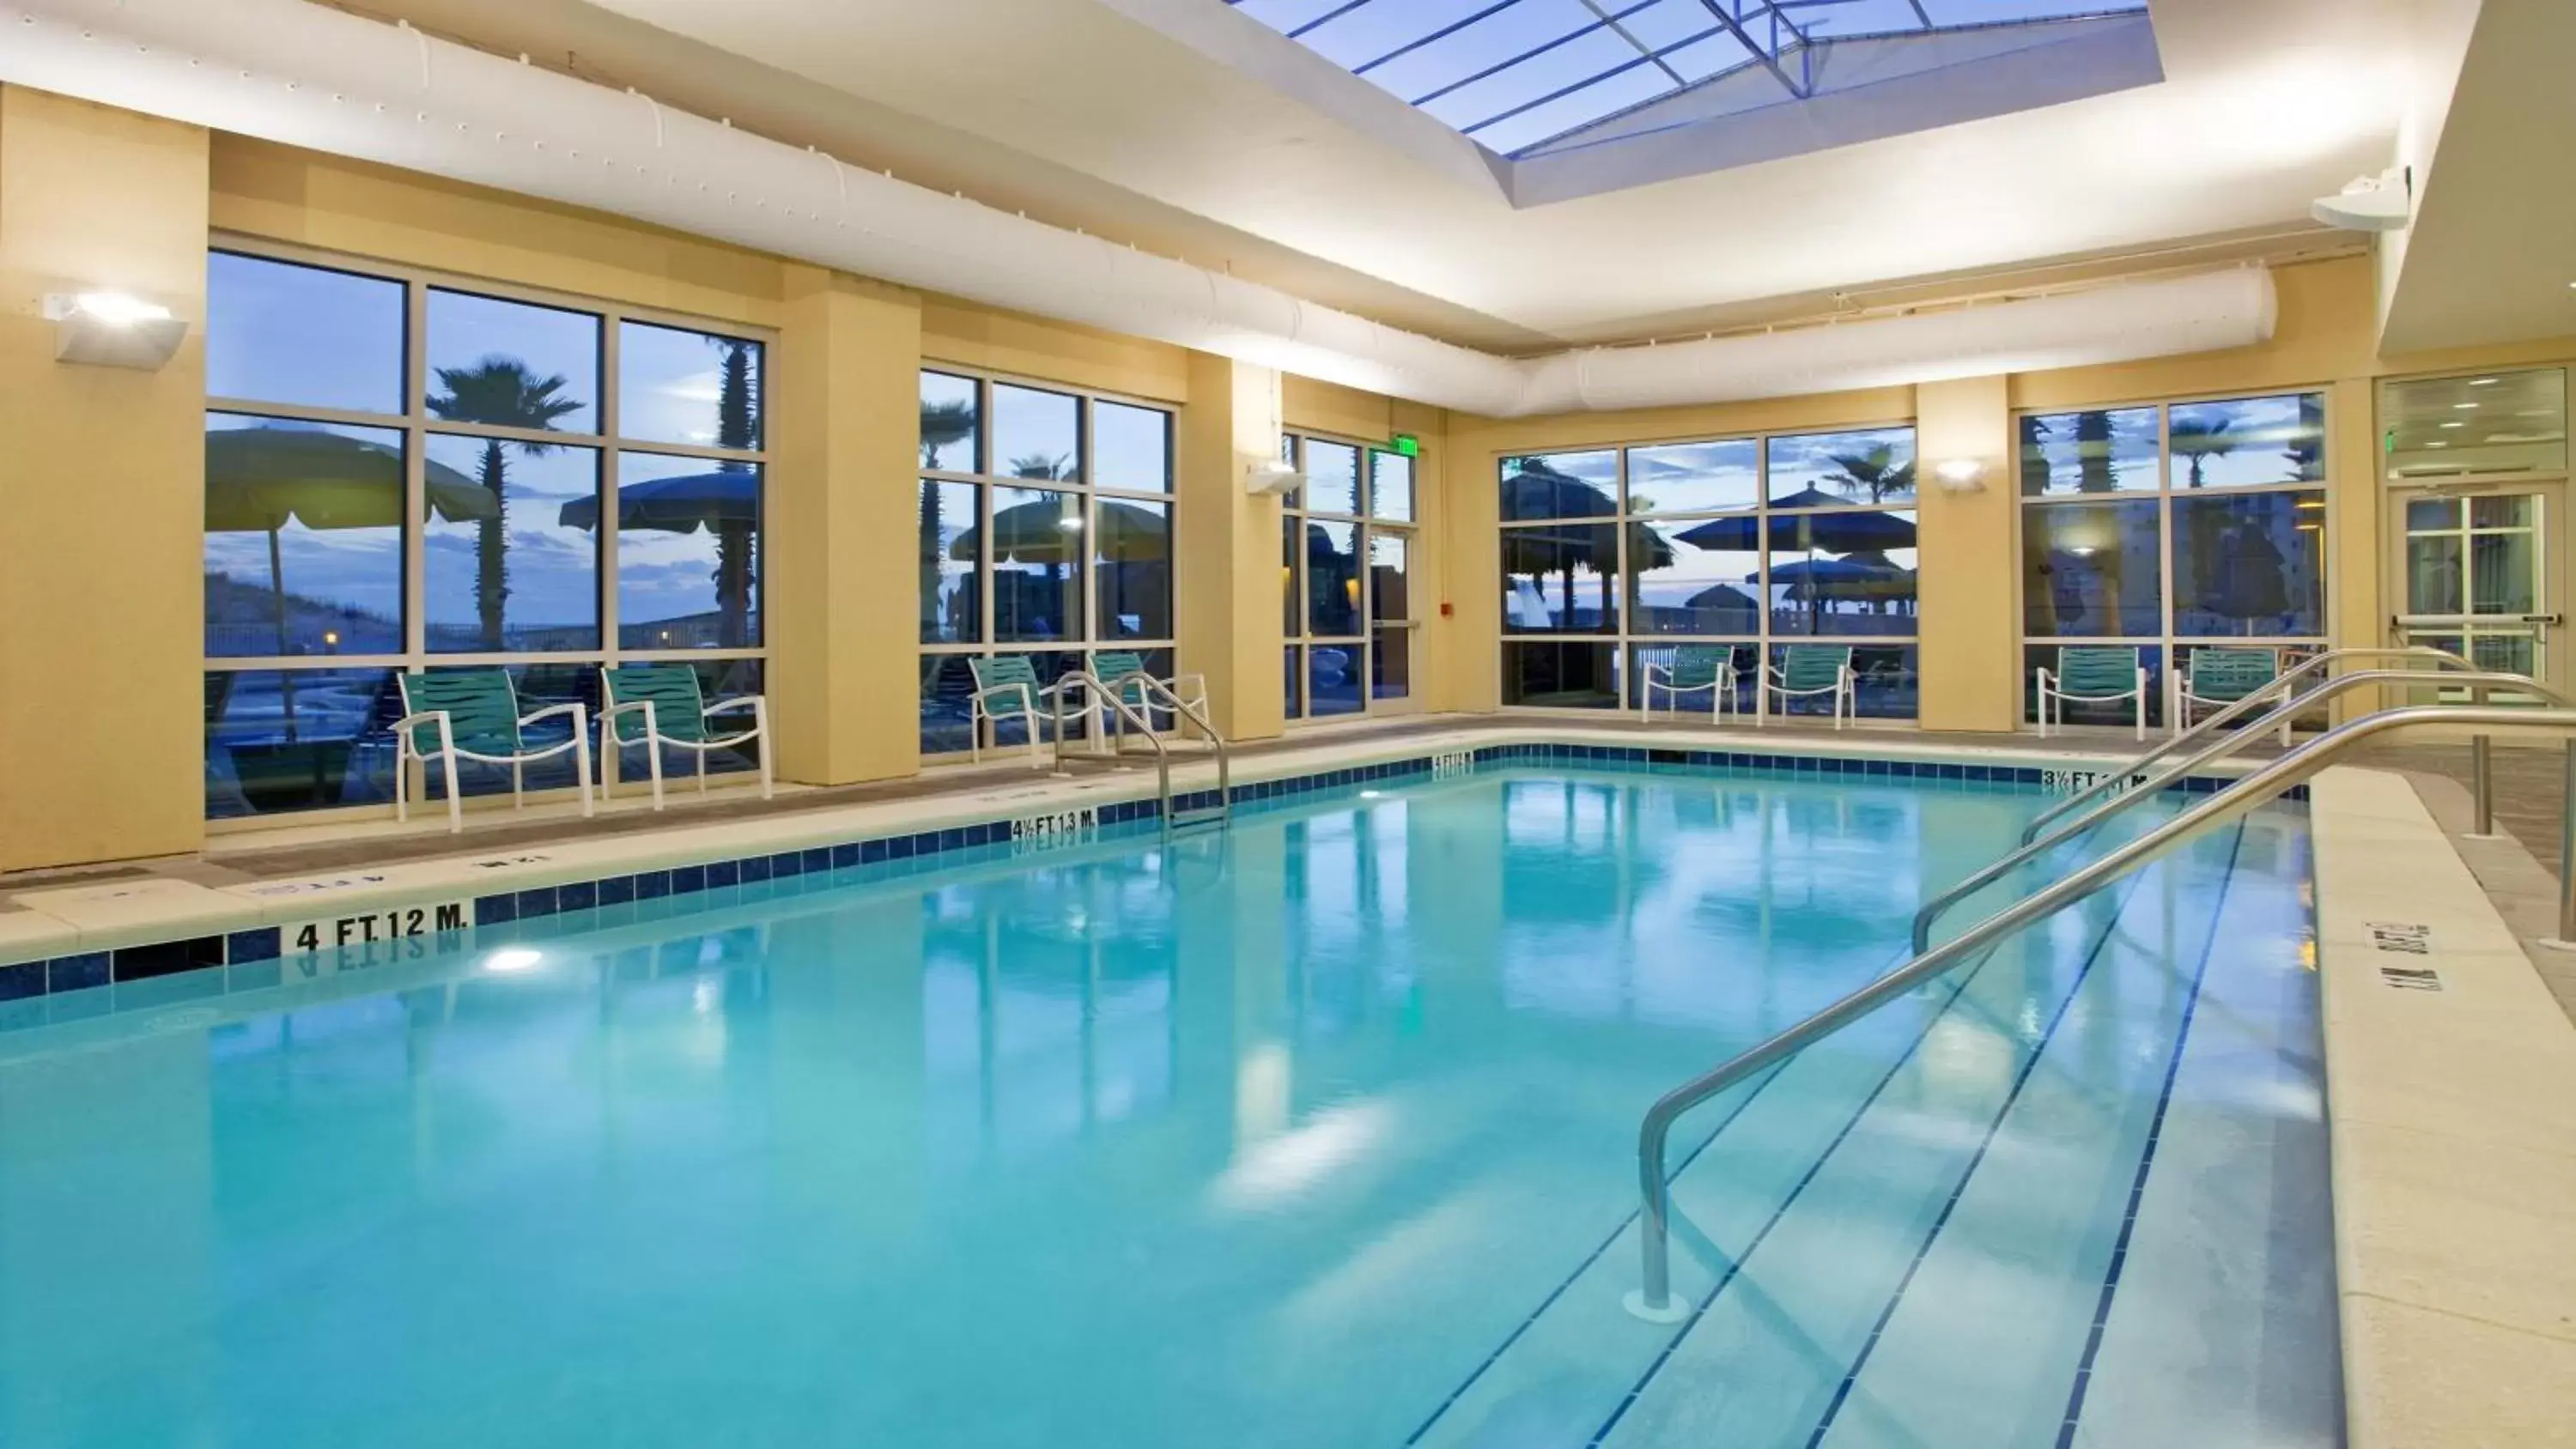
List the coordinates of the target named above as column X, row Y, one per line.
column 1806, row 671
column 473, row 714
column 1120, row 670
column 1692, row 669
column 2093, row 674
column 1005, row 687
column 659, row 706
column 2219, row 677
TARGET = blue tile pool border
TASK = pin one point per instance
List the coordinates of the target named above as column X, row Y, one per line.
column 769, row 872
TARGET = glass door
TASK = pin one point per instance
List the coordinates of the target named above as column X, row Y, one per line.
column 2480, row 574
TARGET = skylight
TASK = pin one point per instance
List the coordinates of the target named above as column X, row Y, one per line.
column 1519, row 75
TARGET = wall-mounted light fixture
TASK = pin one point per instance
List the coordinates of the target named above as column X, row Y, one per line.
column 111, row 329
column 1960, row 475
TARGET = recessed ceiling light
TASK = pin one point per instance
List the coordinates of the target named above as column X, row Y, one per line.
column 2455, row 425
column 2463, row 407
column 2437, row 444
column 2484, row 381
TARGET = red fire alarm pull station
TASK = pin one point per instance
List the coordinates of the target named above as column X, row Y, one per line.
column 1444, row 609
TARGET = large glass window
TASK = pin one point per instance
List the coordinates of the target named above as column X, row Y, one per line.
column 366, row 518
column 2170, row 527
column 1045, row 532
column 1753, row 542
column 1346, row 556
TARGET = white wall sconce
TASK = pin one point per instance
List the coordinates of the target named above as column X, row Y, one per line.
column 1960, row 475
column 111, row 329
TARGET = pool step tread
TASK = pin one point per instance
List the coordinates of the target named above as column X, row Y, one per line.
column 2239, row 1343
column 1991, row 1330
column 1770, row 1360
column 1571, row 1367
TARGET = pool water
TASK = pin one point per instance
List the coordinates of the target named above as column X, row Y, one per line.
column 1317, row 1133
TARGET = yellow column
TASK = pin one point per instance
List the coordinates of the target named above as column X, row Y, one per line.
column 102, row 492
column 1226, row 589
column 2354, row 551
column 1971, row 641
column 844, row 672
column 1466, row 646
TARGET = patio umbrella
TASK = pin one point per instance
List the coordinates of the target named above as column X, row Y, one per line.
column 1038, row 533
column 259, row 478
column 1848, row 532
column 724, row 501
column 1539, row 491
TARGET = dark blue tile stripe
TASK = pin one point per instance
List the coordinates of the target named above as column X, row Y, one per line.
column 1994, row 1129
column 2146, row 1163
column 2129, row 888
column 83, row 970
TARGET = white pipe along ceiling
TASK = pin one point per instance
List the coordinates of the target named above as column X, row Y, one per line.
column 298, row 73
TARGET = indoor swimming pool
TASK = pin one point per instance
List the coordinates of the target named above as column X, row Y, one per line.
column 1315, row 1132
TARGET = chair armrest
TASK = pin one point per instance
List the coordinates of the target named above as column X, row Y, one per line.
column 739, row 701
column 576, row 709
column 1651, row 670
column 403, row 727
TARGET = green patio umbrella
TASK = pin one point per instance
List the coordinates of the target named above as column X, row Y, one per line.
column 257, row 479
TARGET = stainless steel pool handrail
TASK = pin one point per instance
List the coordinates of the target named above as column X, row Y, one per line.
column 2236, row 711
column 1931, row 911
column 1654, row 1300
column 1130, row 714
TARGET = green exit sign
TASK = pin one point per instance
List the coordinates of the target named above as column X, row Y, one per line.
column 1409, row 445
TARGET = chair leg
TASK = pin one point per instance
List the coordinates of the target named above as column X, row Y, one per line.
column 607, row 760
column 518, row 787
column 760, row 733
column 581, row 763
column 702, row 770
column 975, row 732
column 402, row 780
column 447, row 761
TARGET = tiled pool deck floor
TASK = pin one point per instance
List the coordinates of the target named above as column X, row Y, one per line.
column 239, row 856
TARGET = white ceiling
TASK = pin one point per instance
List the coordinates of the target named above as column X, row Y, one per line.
column 1116, row 126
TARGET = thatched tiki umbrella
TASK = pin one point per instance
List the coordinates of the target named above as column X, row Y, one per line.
column 1535, row 490
column 1049, row 532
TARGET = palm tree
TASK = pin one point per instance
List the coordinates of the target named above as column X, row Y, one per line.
column 737, row 426
column 942, row 423
column 2035, row 467
column 2200, row 438
column 1040, row 466
column 499, row 390
column 2093, row 472
column 1875, row 473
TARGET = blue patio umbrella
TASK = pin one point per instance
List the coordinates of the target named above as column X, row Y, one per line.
column 1845, row 532
column 725, row 501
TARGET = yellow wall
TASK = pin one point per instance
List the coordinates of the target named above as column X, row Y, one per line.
column 102, row 492
column 1969, row 654
column 107, row 612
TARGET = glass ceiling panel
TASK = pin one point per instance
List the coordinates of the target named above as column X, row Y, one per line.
column 1516, row 73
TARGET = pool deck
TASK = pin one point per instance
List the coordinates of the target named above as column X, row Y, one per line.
column 2454, row 1161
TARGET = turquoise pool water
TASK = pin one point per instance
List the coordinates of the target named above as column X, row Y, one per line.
column 1319, row 1134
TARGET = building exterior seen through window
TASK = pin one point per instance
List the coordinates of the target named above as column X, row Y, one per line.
column 1045, row 531
column 406, row 472
column 2172, row 527
column 1613, row 559
column 1346, row 556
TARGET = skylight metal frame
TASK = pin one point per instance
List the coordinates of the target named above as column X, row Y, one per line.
column 1770, row 32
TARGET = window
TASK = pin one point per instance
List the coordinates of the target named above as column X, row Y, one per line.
column 2168, row 528
column 406, row 472
column 1613, row 558
column 1059, row 546
column 1346, row 569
